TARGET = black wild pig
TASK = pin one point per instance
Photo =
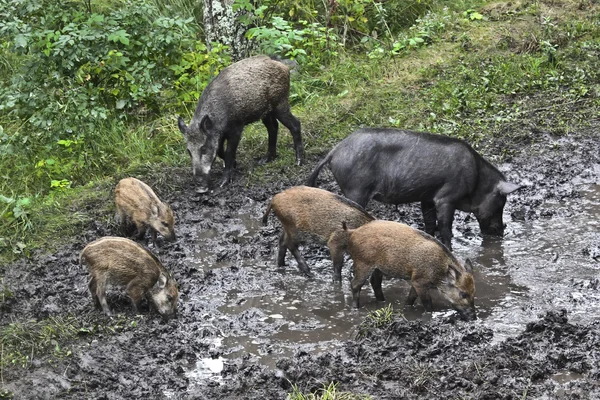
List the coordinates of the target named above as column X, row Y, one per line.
column 311, row 214
column 138, row 205
column 443, row 173
column 123, row 262
column 244, row 92
column 397, row 250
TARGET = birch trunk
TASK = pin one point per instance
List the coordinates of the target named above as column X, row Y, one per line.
column 221, row 25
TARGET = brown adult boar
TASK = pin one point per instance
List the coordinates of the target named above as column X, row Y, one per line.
column 256, row 88
column 122, row 262
column 397, row 250
column 312, row 214
column 138, row 205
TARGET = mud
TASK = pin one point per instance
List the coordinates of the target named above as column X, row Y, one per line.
column 246, row 329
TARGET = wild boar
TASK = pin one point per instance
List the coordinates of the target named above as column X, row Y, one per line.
column 397, row 250
column 311, row 214
column 123, row 262
column 443, row 173
column 244, row 92
column 138, row 205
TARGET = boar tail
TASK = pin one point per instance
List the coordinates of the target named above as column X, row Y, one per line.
column 312, row 179
column 265, row 217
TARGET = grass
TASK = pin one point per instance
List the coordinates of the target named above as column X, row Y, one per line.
column 329, row 392
column 22, row 341
column 381, row 318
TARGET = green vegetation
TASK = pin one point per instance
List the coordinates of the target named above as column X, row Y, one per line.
column 21, row 342
column 379, row 319
column 91, row 90
column 326, row 393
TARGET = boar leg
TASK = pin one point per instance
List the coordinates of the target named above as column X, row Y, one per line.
column 123, row 224
column 92, row 285
column 425, row 296
column 135, row 292
column 376, row 278
column 337, row 256
column 429, row 216
column 282, row 250
column 140, row 230
column 412, row 296
column 272, row 128
column 301, row 263
column 153, row 235
column 290, row 244
column 232, row 145
column 361, row 274
column 289, row 121
column 445, row 215
column 101, row 294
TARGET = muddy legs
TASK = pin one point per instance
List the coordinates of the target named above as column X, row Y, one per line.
column 423, row 294
column 285, row 243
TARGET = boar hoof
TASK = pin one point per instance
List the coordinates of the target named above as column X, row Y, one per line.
column 266, row 159
column 298, row 162
column 308, row 274
column 201, row 190
column 225, row 180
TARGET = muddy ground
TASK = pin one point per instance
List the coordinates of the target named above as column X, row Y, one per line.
column 247, row 329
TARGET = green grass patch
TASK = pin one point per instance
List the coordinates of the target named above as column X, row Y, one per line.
column 52, row 338
column 329, row 392
column 381, row 318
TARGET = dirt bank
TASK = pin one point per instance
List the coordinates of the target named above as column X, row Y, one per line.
column 246, row 329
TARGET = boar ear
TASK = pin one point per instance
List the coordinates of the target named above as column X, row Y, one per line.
column 453, row 272
column 161, row 282
column 181, row 125
column 468, row 266
column 507, row 187
column 154, row 209
column 206, row 124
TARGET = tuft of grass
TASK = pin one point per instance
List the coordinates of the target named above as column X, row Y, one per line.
column 379, row 319
column 22, row 342
column 329, row 392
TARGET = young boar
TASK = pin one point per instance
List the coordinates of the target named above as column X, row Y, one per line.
column 311, row 214
column 137, row 204
column 397, row 250
column 122, row 262
column 256, row 88
column 443, row 173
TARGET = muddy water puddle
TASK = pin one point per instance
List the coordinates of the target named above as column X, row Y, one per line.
column 540, row 264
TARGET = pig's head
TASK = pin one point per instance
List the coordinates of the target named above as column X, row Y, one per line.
column 489, row 206
column 163, row 221
column 164, row 295
column 202, row 144
column 459, row 289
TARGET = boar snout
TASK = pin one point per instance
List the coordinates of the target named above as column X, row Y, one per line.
column 493, row 227
column 201, row 184
column 171, row 237
column 467, row 314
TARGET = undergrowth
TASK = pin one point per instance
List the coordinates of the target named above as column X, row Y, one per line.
column 473, row 71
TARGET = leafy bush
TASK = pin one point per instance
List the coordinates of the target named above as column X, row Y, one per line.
column 81, row 71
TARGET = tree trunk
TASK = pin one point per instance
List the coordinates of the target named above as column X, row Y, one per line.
column 221, row 25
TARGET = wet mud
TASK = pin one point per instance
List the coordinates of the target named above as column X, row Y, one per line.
column 247, row 329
